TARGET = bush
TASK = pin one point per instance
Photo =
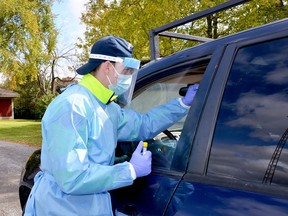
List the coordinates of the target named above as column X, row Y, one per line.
column 29, row 107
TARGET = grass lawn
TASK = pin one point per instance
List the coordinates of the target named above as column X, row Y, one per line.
column 21, row 131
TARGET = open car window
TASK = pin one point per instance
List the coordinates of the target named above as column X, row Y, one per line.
column 157, row 92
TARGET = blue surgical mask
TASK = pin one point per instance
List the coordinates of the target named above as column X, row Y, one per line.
column 122, row 85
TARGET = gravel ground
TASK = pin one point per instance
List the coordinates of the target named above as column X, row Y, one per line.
column 12, row 158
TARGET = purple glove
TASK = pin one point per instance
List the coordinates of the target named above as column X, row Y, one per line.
column 190, row 94
column 141, row 163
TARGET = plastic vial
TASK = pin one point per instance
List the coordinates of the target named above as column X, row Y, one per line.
column 145, row 145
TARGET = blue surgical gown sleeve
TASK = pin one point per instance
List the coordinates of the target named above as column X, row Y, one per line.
column 142, row 126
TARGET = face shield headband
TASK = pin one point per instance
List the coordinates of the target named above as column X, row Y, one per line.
column 128, row 63
column 131, row 67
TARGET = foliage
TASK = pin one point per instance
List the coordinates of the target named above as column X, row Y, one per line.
column 32, row 103
column 28, row 54
column 252, row 14
column 27, row 38
column 42, row 104
column 132, row 20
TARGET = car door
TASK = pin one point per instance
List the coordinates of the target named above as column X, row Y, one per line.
column 150, row 195
column 238, row 164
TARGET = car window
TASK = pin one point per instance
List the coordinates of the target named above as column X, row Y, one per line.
column 157, row 92
column 251, row 128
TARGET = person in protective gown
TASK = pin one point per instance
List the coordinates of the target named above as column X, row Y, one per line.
column 80, row 130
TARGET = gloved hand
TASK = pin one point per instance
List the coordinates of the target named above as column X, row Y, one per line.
column 190, row 94
column 141, row 163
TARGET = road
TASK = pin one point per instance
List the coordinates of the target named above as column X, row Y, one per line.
column 12, row 158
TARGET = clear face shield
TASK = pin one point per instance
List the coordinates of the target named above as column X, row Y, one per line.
column 129, row 68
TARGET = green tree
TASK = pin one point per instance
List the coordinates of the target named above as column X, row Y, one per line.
column 27, row 38
column 255, row 13
column 27, row 43
column 132, row 20
column 32, row 103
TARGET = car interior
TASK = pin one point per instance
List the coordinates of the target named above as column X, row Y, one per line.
column 170, row 86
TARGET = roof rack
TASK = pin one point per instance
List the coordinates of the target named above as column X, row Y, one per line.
column 162, row 30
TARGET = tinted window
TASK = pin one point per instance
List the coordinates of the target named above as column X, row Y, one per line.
column 251, row 129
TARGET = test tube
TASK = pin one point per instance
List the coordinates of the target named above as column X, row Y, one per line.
column 145, row 145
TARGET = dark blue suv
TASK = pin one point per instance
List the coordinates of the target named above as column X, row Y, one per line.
column 228, row 156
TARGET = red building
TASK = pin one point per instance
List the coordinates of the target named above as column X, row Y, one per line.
column 6, row 103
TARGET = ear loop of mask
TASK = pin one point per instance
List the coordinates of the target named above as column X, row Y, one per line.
column 114, row 71
column 109, row 80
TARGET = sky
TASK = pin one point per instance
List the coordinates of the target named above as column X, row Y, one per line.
column 68, row 21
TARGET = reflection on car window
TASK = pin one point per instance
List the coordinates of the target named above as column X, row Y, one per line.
column 251, row 129
column 157, row 93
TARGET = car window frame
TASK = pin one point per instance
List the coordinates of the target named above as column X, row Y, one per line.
column 186, row 141
column 154, row 77
column 202, row 142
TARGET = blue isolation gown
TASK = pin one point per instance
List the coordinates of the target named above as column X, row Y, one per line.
column 80, row 134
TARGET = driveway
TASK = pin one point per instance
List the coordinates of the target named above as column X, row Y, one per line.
column 12, row 157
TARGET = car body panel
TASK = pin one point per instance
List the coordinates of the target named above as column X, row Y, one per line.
column 223, row 201
column 147, row 196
